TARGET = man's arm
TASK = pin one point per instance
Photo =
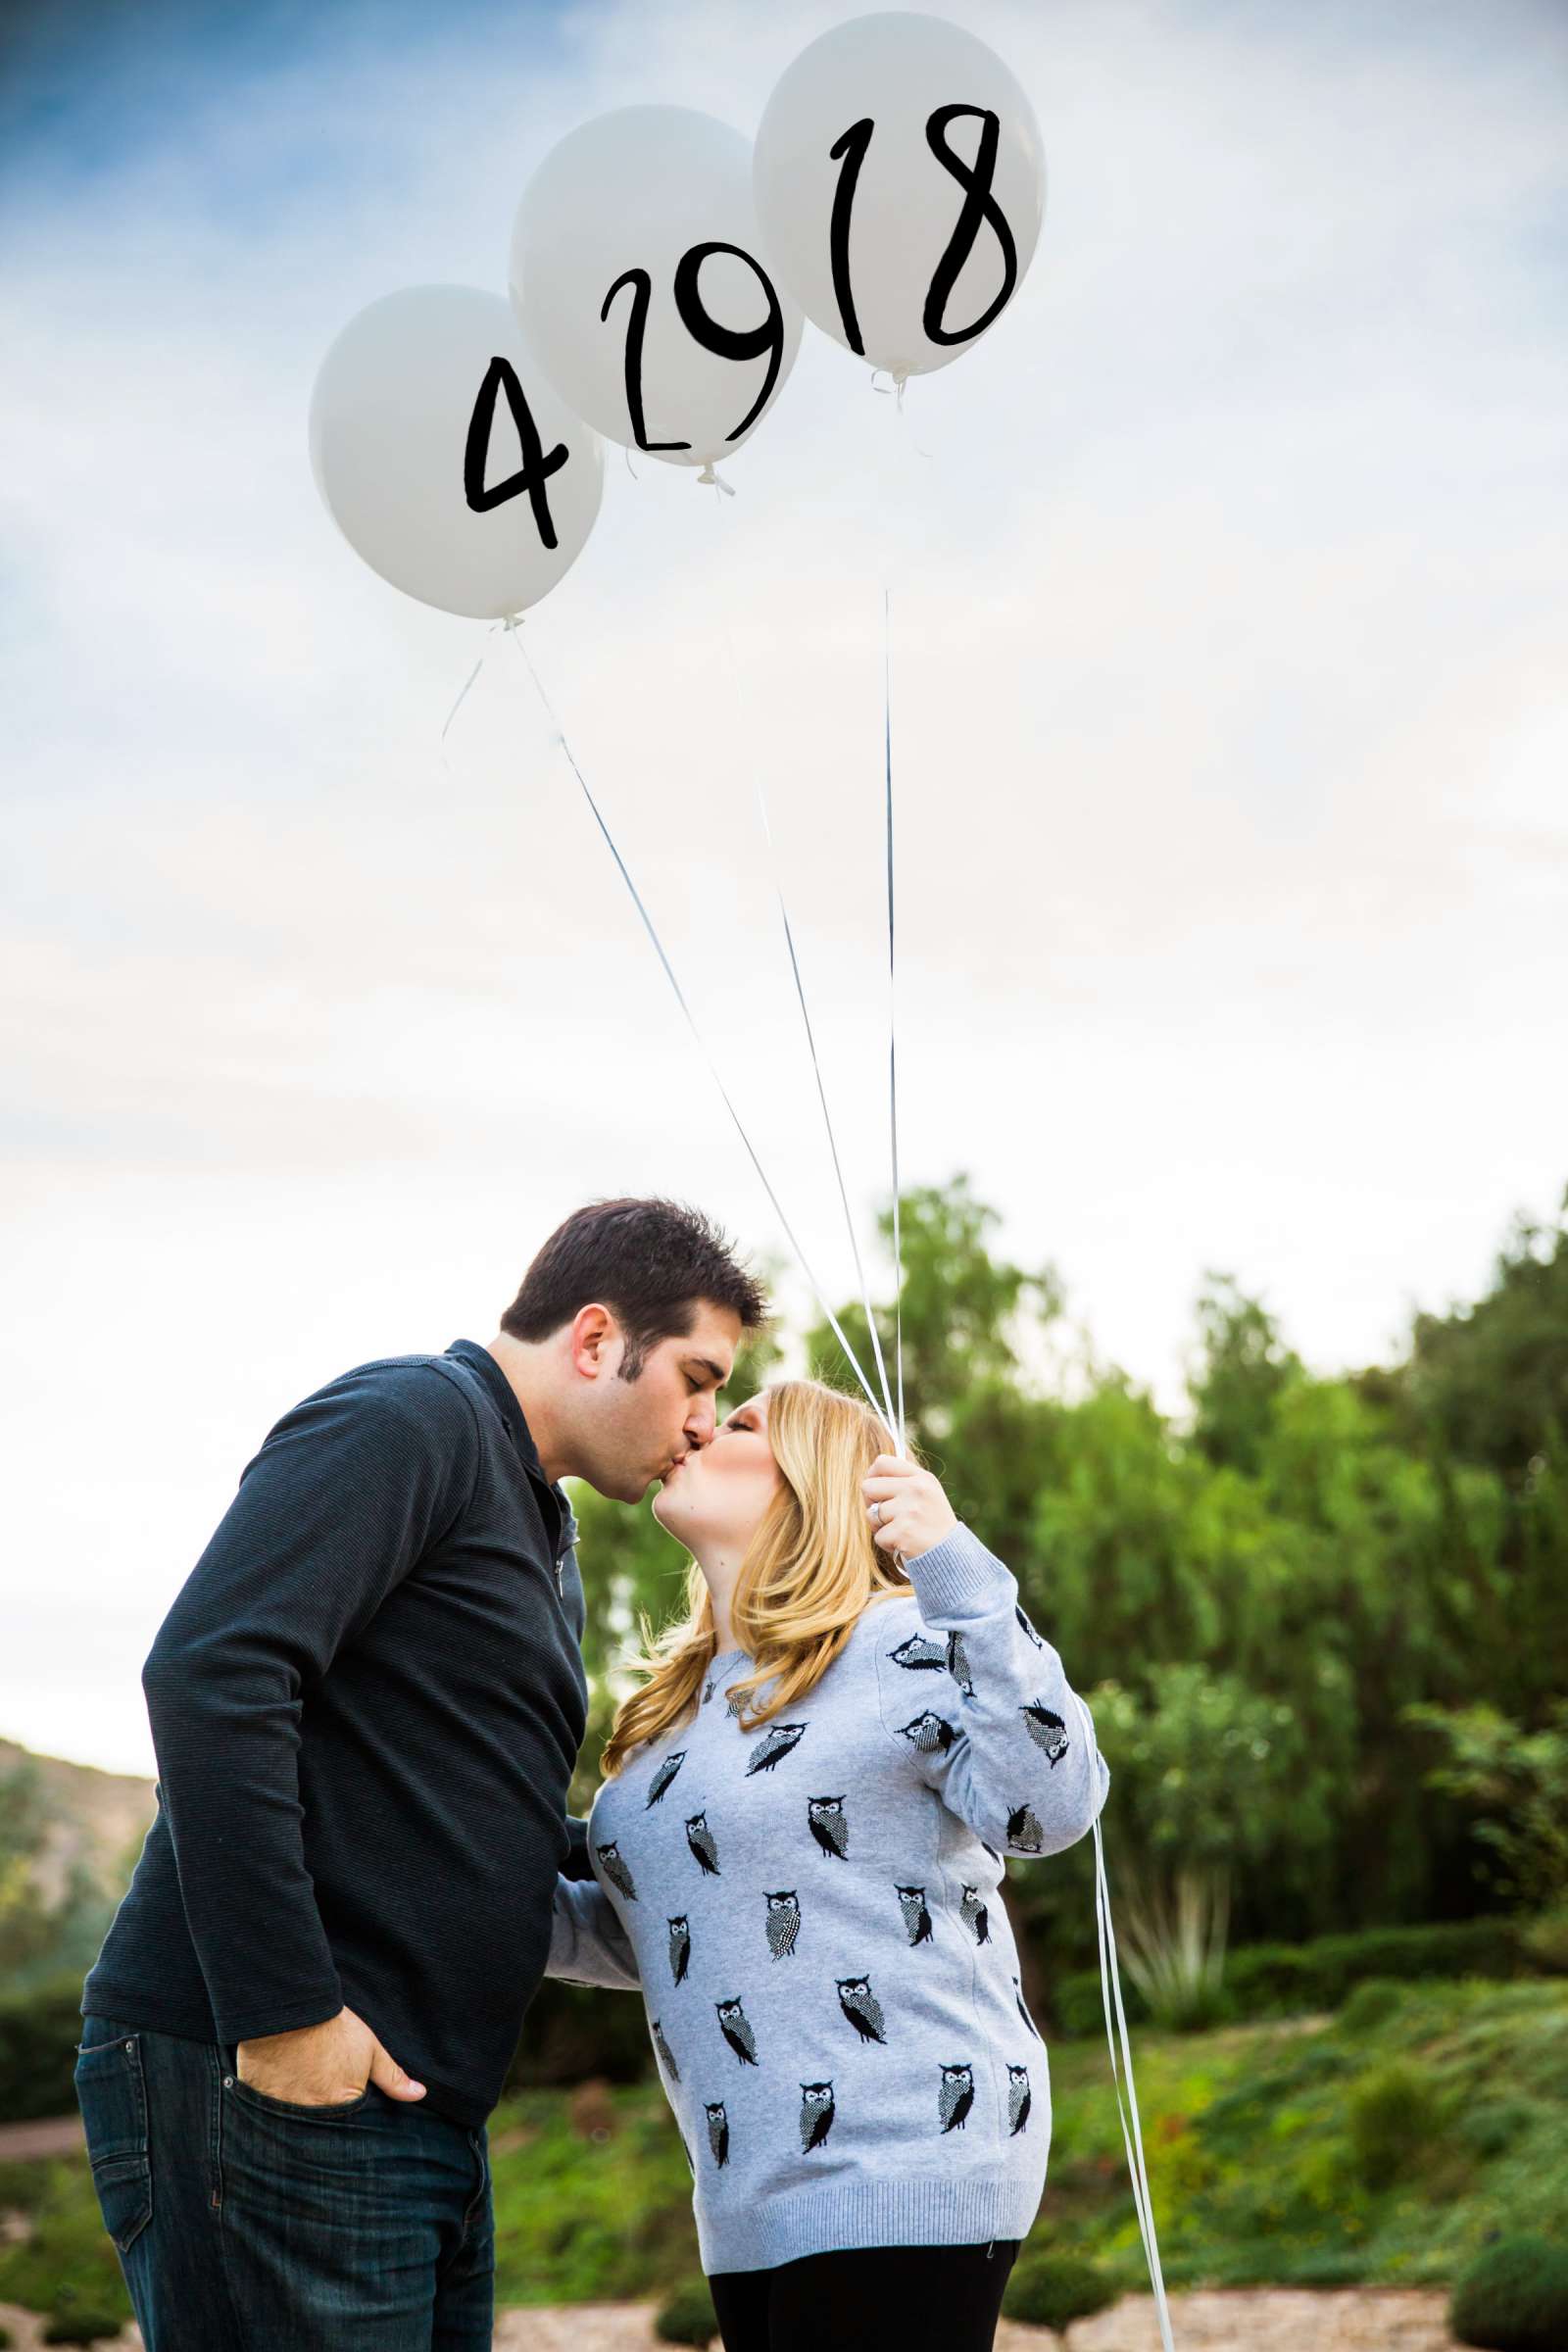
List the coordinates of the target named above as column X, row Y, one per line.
column 346, row 1493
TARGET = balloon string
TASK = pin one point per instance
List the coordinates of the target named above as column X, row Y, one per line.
column 1133, row 2139
column 468, row 683
column 669, row 973
column 893, row 1421
column 892, row 1045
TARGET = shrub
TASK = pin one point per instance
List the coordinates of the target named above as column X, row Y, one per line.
column 687, row 2316
column 81, row 2327
column 38, row 2035
column 1513, row 2297
column 1371, row 2005
column 1393, row 2118
column 1491, row 2127
column 1282, row 1980
column 1048, row 2290
column 1546, row 1940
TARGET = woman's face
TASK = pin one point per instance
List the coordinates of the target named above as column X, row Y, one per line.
column 714, row 1498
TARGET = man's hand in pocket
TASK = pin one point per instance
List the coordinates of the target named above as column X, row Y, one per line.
column 321, row 2066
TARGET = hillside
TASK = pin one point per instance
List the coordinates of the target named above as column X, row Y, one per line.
column 97, row 1818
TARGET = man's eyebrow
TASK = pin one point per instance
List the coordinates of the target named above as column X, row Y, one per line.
column 716, row 1371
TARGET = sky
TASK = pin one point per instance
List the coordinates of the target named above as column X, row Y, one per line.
column 1228, row 582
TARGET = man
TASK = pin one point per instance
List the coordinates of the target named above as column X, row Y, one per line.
column 366, row 1702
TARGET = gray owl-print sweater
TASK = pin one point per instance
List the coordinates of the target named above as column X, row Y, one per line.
column 812, row 1914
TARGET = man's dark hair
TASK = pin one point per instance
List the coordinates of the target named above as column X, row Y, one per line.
column 649, row 1261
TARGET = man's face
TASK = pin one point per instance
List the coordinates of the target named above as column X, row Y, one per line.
column 640, row 1427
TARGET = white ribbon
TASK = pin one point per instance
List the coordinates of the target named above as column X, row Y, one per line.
column 514, row 631
column 1133, row 2141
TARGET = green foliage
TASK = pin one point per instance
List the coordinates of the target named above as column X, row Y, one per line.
column 1049, row 2290
column 1175, row 1952
column 1515, row 2298
column 1517, row 1781
column 1394, row 2116
column 67, row 2261
column 1285, row 1979
column 687, row 2317
column 38, row 2035
column 80, row 2325
column 1544, row 1940
column 1243, row 1367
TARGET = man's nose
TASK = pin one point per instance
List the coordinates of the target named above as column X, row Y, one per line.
column 701, row 1421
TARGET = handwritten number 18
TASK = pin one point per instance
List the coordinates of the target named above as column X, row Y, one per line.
column 725, row 342
column 979, row 206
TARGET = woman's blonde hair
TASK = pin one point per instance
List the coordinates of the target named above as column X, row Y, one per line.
column 810, row 1573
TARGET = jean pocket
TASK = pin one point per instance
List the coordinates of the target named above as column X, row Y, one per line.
column 340, row 2111
column 112, row 2094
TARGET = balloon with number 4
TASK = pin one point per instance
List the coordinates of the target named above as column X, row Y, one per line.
column 446, row 458
column 900, row 180
column 637, row 264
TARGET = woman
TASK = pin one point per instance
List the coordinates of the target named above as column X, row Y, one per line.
column 798, row 1856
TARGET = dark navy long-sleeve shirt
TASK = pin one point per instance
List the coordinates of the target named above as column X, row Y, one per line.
column 365, row 1703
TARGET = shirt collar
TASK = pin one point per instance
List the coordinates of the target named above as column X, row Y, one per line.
column 480, row 1361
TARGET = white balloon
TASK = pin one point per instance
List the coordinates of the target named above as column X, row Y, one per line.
column 447, row 459
column 900, row 180
column 636, row 262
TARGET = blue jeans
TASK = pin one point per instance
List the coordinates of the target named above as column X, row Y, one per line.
column 245, row 2223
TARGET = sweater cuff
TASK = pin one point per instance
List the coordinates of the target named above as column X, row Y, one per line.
column 960, row 1578
column 254, row 2025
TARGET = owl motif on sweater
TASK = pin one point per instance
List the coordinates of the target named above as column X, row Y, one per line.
column 974, row 1915
column 1024, row 1831
column 958, row 1664
column 930, row 1734
column 919, row 1654
column 736, row 2028
column 916, row 1916
column 699, row 1838
column 955, row 2097
column 779, row 1740
column 609, row 1857
column 681, row 1946
column 1023, row 2008
column 783, row 1922
column 717, row 2130
column 1046, row 1730
column 828, row 1826
column 1019, row 2099
column 665, row 2053
column 1024, row 1626
column 664, row 1776
column 817, row 2110
column 861, row 2007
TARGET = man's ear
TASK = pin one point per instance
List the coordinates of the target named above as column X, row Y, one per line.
column 594, row 1333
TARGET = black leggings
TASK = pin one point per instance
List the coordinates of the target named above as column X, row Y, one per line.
column 904, row 2298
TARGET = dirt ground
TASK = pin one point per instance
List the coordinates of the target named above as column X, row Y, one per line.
column 1260, row 2319
column 1267, row 2320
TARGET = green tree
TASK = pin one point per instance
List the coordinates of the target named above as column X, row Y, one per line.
column 1243, row 1368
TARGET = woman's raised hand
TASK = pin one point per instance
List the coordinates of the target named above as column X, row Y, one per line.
column 909, row 1513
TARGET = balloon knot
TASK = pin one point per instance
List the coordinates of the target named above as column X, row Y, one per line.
column 715, row 481
column 512, row 621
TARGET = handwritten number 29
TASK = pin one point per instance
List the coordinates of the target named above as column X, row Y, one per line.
column 725, row 342
column 979, row 207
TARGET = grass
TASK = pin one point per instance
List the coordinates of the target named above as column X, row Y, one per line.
column 1383, row 2145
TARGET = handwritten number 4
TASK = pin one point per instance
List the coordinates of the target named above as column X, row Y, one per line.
column 536, row 468
column 979, row 206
